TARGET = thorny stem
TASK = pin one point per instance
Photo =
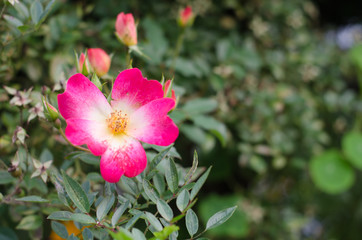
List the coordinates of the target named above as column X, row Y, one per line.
column 66, row 139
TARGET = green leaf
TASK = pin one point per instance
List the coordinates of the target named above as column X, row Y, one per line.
column 352, row 148
column 193, row 168
column 119, row 212
column 192, row 223
column 171, row 175
column 167, row 231
column 60, row 216
column 200, row 106
column 76, row 193
column 183, row 200
column 150, row 192
column 154, row 221
column 46, row 11
column 158, row 158
column 7, row 234
column 137, row 234
column 36, row 10
column 35, row 199
column 5, row 177
column 13, row 21
column 133, row 220
column 85, row 157
column 104, row 207
column 72, row 237
column 199, row 184
column 22, row 9
column 24, row 28
column 165, row 210
column 59, row 229
column 331, row 173
column 122, row 234
column 194, row 133
column 83, row 218
column 159, row 183
column 211, row 124
column 220, row 217
column 87, row 234
column 31, row 222
column 130, row 185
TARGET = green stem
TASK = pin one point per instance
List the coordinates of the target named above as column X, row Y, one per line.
column 128, row 59
column 179, row 43
column 66, row 139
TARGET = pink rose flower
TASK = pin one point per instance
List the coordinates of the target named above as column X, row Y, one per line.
column 126, row 29
column 99, row 60
column 138, row 112
column 186, row 17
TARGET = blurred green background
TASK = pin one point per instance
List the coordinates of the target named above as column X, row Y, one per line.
column 269, row 95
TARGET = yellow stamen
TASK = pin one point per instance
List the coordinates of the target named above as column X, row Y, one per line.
column 117, row 121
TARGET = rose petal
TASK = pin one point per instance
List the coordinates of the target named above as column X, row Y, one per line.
column 125, row 155
column 94, row 134
column 131, row 87
column 151, row 124
column 83, row 100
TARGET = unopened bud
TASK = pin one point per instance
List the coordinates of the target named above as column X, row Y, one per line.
column 186, row 17
column 50, row 112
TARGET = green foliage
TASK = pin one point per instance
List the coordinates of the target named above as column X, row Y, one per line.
column 262, row 96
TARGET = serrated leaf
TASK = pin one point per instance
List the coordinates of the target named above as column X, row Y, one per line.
column 59, row 229
column 36, row 9
column 60, row 216
column 200, row 182
column 192, row 223
column 104, row 207
column 76, row 193
column 220, row 217
column 30, row 222
column 183, row 200
column 150, row 192
column 171, row 175
column 87, row 234
column 83, row 218
column 35, row 199
column 165, row 210
column 154, row 221
column 119, row 212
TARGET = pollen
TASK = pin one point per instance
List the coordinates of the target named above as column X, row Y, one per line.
column 117, row 121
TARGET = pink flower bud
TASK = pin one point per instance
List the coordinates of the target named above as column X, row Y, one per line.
column 83, row 69
column 167, row 92
column 126, row 29
column 186, row 17
column 99, row 60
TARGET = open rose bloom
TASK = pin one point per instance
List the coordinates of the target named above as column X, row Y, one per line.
column 138, row 112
